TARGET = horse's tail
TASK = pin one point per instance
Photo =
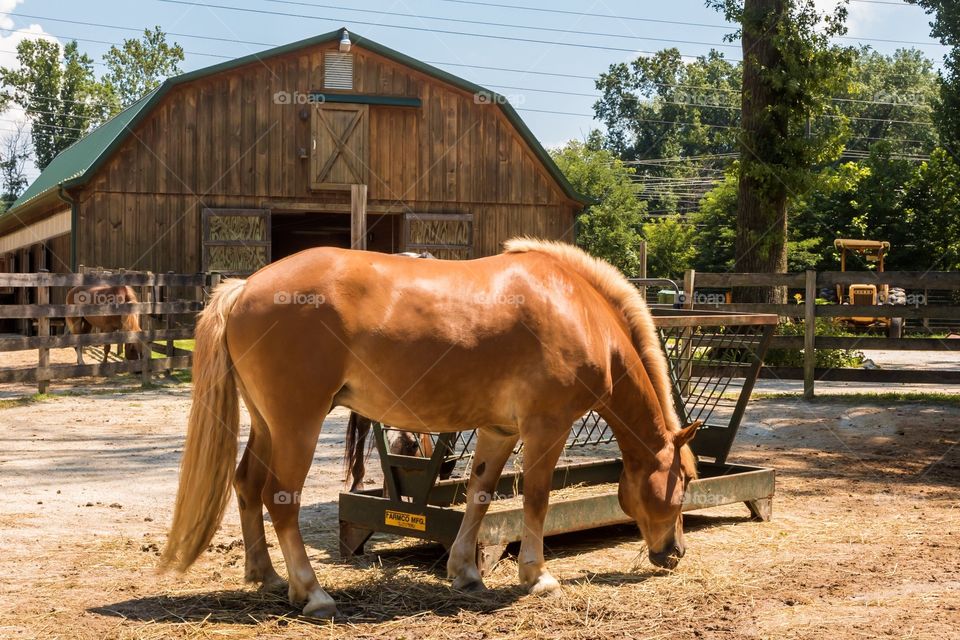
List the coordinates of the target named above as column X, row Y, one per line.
column 353, row 464
column 210, row 451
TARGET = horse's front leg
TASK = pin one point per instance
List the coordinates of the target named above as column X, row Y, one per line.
column 493, row 449
column 543, row 443
column 79, row 355
column 106, row 352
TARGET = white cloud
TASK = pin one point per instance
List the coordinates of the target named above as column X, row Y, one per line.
column 859, row 14
column 9, row 40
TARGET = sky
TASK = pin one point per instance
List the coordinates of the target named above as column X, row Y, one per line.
column 612, row 31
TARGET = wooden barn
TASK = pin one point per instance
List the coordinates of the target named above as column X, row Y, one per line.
column 335, row 140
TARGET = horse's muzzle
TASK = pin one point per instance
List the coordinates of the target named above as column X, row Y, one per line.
column 668, row 558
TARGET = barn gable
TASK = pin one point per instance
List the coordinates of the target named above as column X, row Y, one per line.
column 232, row 166
column 77, row 164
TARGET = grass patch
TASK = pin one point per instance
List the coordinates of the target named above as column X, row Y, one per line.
column 75, row 393
column 871, row 397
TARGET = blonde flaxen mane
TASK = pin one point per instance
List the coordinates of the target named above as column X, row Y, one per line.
column 624, row 297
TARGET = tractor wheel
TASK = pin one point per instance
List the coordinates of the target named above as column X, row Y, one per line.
column 895, row 328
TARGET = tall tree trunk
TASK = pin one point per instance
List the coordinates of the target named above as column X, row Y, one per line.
column 761, row 242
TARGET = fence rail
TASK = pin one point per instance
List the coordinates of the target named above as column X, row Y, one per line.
column 810, row 283
column 157, row 310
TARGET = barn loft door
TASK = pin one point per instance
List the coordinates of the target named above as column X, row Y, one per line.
column 448, row 236
column 236, row 241
column 340, row 146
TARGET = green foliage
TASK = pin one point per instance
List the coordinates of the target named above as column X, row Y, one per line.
column 609, row 228
column 661, row 106
column 946, row 28
column 893, row 98
column 931, row 205
column 670, row 247
column 58, row 92
column 138, row 67
column 826, row 358
column 715, row 227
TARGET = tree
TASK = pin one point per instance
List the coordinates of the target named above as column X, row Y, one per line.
column 790, row 71
column 608, row 229
column 670, row 247
column 14, row 153
column 946, row 27
column 672, row 112
column 59, row 94
column 715, row 225
column 138, row 67
column 931, row 203
column 891, row 98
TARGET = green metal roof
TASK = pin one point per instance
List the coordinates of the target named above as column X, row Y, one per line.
column 76, row 164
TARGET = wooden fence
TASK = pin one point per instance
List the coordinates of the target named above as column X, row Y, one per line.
column 808, row 284
column 161, row 301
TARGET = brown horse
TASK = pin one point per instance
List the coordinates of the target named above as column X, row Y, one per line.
column 519, row 345
column 104, row 294
column 403, row 443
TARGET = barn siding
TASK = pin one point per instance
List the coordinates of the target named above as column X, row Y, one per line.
column 223, row 141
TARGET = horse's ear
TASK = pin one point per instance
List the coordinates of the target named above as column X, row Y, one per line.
column 685, row 435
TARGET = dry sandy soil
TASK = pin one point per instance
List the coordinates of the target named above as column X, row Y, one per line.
column 864, row 543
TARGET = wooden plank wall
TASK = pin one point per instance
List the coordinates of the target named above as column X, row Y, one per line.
column 224, row 141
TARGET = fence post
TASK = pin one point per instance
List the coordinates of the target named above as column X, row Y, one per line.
column 146, row 349
column 686, row 350
column 43, row 330
column 168, row 325
column 643, row 258
column 809, row 334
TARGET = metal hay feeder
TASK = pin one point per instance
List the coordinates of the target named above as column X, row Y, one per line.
column 714, row 358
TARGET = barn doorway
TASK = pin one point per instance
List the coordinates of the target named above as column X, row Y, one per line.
column 295, row 232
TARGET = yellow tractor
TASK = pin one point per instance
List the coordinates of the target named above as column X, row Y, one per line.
column 872, row 252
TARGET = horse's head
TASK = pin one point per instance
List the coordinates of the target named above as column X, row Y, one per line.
column 131, row 351
column 651, row 492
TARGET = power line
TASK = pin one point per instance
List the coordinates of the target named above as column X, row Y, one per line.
column 411, row 28
column 504, row 69
column 485, row 23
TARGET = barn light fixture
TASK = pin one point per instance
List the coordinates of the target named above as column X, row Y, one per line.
column 345, row 42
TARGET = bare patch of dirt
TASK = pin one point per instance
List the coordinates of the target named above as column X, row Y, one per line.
column 865, row 540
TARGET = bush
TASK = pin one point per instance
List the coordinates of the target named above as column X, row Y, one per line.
column 826, row 358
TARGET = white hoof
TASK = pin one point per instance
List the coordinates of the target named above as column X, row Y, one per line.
column 468, row 583
column 320, row 605
column 546, row 585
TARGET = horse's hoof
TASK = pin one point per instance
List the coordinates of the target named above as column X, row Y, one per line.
column 546, row 585
column 320, row 605
column 468, row 584
column 272, row 583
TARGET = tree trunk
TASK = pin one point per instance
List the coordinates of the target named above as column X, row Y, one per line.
column 761, row 242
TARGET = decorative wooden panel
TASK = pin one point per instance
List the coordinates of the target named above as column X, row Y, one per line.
column 448, row 236
column 236, row 241
column 341, row 146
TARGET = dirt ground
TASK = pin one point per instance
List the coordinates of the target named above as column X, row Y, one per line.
column 864, row 542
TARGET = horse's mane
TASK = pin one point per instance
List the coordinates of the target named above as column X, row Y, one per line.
column 624, row 297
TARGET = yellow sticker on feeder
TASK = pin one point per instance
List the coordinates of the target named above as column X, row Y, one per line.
column 405, row 520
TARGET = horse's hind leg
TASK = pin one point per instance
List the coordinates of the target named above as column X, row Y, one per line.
column 293, row 439
column 249, row 481
column 493, row 449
